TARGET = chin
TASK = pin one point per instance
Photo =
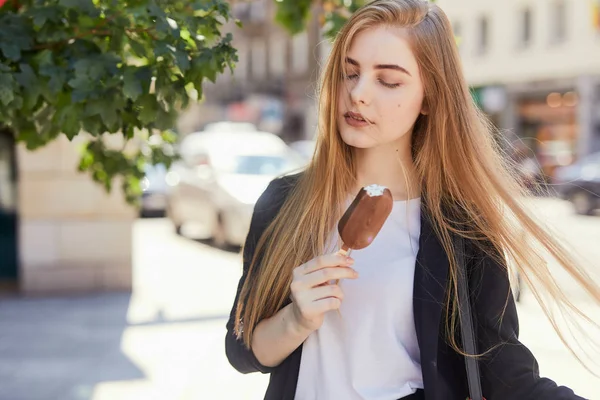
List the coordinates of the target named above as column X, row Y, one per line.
column 359, row 140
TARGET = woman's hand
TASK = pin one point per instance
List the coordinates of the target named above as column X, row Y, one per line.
column 312, row 295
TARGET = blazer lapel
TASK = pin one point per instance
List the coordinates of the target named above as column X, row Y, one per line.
column 431, row 274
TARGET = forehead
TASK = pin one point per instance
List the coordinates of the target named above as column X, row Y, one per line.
column 383, row 45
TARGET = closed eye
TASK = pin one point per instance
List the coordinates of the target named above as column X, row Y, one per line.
column 389, row 85
column 352, row 77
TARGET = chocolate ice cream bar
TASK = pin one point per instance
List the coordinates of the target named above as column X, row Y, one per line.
column 363, row 220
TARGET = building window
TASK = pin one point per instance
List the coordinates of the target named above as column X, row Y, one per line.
column 558, row 22
column 258, row 11
column 259, row 59
column 526, row 28
column 277, row 55
column 300, row 53
column 483, row 35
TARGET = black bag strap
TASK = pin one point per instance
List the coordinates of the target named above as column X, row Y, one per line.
column 466, row 322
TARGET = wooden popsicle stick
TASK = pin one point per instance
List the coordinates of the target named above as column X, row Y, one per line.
column 345, row 251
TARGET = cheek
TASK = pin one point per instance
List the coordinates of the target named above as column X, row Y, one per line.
column 409, row 107
column 401, row 115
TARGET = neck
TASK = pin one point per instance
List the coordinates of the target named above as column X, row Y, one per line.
column 389, row 165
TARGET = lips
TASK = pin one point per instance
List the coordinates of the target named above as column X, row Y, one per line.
column 356, row 120
column 356, row 116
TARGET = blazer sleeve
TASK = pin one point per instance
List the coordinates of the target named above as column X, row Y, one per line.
column 509, row 371
column 265, row 210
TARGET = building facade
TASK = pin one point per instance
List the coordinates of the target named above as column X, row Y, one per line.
column 534, row 66
column 274, row 82
column 60, row 232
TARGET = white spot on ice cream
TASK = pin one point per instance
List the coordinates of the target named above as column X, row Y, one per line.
column 375, row 190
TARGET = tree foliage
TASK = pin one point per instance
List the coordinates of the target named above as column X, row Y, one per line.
column 102, row 67
column 294, row 14
column 105, row 67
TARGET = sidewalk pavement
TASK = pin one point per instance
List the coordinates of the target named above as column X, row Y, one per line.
column 166, row 340
column 83, row 348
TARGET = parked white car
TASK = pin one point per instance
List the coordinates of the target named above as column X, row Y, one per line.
column 221, row 176
column 306, row 148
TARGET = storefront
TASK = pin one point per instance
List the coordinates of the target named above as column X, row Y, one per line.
column 548, row 126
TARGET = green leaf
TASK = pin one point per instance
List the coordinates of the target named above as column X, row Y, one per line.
column 44, row 58
column 86, row 22
column 26, row 77
column 6, row 89
column 148, row 109
column 17, row 102
column 92, row 125
column 10, row 51
column 144, row 76
column 80, row 82
column 71, row 124
column 86, row 6
column 109, row 116
column 132, row 88
column 45, row 14
column 293, row 15
column 94, row 108
column 138, row 48
column 57, row 81
column 183, row 60
column 26, row 131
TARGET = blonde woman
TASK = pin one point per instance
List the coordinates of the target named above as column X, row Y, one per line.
column 395, row 111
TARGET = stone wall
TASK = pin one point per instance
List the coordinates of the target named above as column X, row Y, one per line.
column 73, row 236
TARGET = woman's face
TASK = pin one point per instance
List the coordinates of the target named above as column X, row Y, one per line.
column 382, row 94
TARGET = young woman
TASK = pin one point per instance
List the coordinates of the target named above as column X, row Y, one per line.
column 395, row 111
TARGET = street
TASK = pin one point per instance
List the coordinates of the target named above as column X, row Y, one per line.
column 166, row 340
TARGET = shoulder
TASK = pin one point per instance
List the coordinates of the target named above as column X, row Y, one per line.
column 275, row 194
column 271, row 200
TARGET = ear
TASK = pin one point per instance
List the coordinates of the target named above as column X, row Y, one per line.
column 425, row 108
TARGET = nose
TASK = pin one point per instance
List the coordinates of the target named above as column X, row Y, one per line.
column 359, row 92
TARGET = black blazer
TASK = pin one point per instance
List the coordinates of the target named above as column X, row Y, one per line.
column 509, row 372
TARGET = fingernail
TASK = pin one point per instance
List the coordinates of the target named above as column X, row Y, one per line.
column 349, row 261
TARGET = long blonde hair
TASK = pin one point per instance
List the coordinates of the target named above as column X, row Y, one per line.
column 460, row 166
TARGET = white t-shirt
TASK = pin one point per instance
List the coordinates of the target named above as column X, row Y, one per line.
column 370, row 352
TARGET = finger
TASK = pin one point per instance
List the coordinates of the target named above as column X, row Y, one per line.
column 323, row 292
column 328, row 304
column 325, row 261
column 328, row 274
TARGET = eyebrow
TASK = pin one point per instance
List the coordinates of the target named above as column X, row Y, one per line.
column 381, row 66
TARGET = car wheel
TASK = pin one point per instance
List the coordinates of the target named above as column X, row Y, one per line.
column 582, row 202
column 219, row 236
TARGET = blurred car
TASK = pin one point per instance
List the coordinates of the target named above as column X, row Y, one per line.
column 580, row 184
column 221, row 176
column 306, row 149
column 154, row 191
column 227, row 126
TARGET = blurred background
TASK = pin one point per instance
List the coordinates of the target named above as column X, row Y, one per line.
column 103, row 300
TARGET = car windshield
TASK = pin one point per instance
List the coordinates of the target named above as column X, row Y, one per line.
column 155, row 171
column 263, row 165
